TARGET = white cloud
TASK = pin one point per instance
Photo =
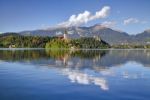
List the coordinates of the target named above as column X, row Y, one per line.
column 109, row 23
column 130, row 21
column 133, row 21
column 59, row 33
column 86, row 16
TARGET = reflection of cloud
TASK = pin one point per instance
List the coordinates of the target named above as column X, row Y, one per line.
column 128, row 75
column 101, row 82
column 83, row 78
column 78, row 77
column 107, row 72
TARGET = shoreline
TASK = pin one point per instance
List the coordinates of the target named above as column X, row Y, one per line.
column 72, row 49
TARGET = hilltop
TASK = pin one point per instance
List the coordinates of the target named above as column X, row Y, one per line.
column 111, row 36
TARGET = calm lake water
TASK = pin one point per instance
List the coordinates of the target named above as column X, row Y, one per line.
column 74, row 75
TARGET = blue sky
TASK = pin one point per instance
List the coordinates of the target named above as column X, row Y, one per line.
column 131, row 16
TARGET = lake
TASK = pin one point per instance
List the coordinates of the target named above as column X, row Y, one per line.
column 40, row 74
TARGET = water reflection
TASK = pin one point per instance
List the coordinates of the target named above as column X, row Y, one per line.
column 97, row 59
column 132, row 75
column 77, row 76
column 85, row 66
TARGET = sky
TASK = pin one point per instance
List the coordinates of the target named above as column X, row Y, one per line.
column 131, row 16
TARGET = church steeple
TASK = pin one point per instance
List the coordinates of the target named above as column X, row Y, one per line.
column 65, row 34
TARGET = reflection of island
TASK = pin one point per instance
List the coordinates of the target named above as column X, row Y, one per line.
column 93, row 59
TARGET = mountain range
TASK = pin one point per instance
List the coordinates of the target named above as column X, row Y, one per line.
column 109, row 35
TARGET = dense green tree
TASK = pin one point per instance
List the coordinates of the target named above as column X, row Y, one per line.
column 19, row 41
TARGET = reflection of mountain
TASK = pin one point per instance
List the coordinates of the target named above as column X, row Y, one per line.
column 117, row 57
column 37, row 54
column 93, row 59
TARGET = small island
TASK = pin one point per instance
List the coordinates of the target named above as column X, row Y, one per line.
column 14, row 40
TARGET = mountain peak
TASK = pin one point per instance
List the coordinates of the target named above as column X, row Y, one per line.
column 148, row 30
column 98, row 26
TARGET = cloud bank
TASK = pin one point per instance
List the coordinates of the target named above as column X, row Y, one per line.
column 130, row 21
column 86, row 16
column 109, row 24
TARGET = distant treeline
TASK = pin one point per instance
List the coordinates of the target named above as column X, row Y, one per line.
column 19, row 41
column 13, row 40
column 130, row 46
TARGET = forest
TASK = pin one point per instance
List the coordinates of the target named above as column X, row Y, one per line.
column 14, row 40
